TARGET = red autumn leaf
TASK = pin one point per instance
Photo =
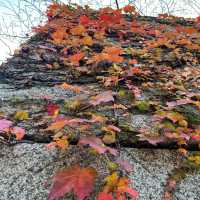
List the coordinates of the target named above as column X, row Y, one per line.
column 196, row 137
column 103, row 97
column 97, row 144
column 18, row 132
column 198, row 18
column 74, row 179
column 129, row 9
column 76, row 57
column 52, row 10
column 52, row 109
column 105, row 196
column 136, row 70
column 84, row 20
column 132, row 62
column 105, row 18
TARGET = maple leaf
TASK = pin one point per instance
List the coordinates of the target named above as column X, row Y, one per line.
column 67, row 86
column 87, row 40
column 5, row 124
column 52, row 9
column 123, row 187
column 74, row 179
column 59, row 142
column 129, row 9
column 18, row 132
column 78, row 30
column 113, row 50
column 103, row 97
column 104, row 196
column 21, row 115
column 119, row 186
column 52, row 109
column 136, row 70
column 57, row 125
column 76, row 57
column 97, row 144
column 59, row 35
column 84, row 20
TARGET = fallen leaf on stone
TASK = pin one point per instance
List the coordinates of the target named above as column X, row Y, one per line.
column 74, row 179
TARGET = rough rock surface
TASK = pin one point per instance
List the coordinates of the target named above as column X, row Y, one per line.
column 26, row 171
column 150, row 75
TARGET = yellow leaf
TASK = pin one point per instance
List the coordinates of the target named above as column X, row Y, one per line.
column 111, row 182
column 62, row 143
column 87, row 41
column 109, row 138
column 56, row 125
column 195, row 159
column 21, row 115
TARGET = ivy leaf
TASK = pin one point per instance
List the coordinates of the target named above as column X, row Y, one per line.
column 97, row 144
column 103, row 97
column 74, row 179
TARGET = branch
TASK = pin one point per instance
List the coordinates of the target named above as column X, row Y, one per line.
column 117, row 4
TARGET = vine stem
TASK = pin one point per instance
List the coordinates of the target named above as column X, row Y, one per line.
column 117, row 4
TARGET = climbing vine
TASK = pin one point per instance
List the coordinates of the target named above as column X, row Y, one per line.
column 130, row 58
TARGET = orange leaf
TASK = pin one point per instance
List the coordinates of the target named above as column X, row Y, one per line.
column 59, row 35
column 67, row 86
column 57, row 125
column 78, row 30
column 136, row 70
column 18, row 132
column 74, row 179
column 87, row 41
column 113, row 50
column 76, row 57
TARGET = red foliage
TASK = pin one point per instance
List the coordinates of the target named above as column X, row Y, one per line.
column 74, row 179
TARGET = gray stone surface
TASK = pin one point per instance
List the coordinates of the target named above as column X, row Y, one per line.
column 26, row 171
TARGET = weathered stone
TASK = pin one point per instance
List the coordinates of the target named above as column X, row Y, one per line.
column 26, row 171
